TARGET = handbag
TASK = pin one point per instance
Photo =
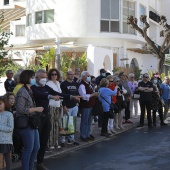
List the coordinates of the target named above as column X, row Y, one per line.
column 113, row 106
column 34, row 120
column 136, row 94
column 67, row 125
column 21, row 122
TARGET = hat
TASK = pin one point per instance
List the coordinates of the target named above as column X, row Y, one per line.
column 115, row 79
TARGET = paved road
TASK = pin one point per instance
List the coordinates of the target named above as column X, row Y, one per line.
column 136, row 149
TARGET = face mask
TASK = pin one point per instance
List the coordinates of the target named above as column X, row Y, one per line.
column 103, row 74
column 88, row 79
column 155, row 81
column 43, row 81
column 32, row 81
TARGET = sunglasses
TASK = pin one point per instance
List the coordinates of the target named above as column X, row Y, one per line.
column 10, row 73
column 118, row 81
column 146, row 77
column 110, row 81
column 53, row 74
column 132, row 77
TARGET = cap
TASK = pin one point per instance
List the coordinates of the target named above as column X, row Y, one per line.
column 121, row 73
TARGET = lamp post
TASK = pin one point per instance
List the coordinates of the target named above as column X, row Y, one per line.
column 57, row 42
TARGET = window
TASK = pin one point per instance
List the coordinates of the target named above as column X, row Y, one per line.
column 110, row 20
column 46, row 16
column 39, row 17
column 128, row 10
column 20, row 30
column 142, row 11
column 6, row 2
column 29, row 19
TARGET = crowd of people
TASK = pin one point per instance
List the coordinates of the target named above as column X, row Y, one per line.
column 111, row 100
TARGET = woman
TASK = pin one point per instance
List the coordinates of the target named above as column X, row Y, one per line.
column 156, row 102
column 25, row 105
column 133, row 102
column 111, row 86
column 165, row 87
column 55, row 107
column 105, row 98
column 118, row 100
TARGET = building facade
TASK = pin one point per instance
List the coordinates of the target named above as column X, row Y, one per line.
column 98, row 27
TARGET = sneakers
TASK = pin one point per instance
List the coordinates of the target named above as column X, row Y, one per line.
column 163, row 124
column 116, row 127
column 41, row 167
column 109, row 132
column 121, row 127
column 72, row 142
column 113, row 131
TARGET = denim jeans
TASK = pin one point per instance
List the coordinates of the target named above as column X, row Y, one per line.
column 31, row 143
column 85, row 122
column 72, row 112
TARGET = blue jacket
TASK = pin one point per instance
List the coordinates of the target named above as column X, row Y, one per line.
column 165, row 91
column 106, row 93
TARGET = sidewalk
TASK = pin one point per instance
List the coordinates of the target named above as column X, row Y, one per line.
column 68, row 148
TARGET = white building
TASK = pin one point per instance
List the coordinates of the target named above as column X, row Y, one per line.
column 96, row 26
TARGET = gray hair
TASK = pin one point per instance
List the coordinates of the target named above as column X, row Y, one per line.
column 83, row 73
column 37, row 74
column 109, row 77
column 131, row 75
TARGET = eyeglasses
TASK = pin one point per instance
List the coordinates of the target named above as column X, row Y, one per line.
column 111, row 81
column 146, row 77
column 53, row 74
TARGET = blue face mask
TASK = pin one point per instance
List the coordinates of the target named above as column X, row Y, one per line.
column 103, row 74
column 32, row 81
column 155, row 81
column 88, row 79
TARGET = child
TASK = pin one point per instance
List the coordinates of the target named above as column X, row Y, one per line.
column 6, row 129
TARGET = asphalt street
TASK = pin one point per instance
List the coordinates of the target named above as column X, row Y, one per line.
column 136, row 149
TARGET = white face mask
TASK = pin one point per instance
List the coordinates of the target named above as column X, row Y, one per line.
column 88, row 79
column 43, row 81
column 155, row 81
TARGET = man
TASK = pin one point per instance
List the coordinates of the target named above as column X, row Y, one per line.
column 42, row 94
column 77, row 76
column 9, row 84
column 102, row 75
column 145, row 87
column 86, row 103
column 70, row 106
column 124, row 83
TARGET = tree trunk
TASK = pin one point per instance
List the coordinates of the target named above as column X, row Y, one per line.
column 161, row 62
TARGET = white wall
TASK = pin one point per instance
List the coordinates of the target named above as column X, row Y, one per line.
column 99, row 58
column 146, row 61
